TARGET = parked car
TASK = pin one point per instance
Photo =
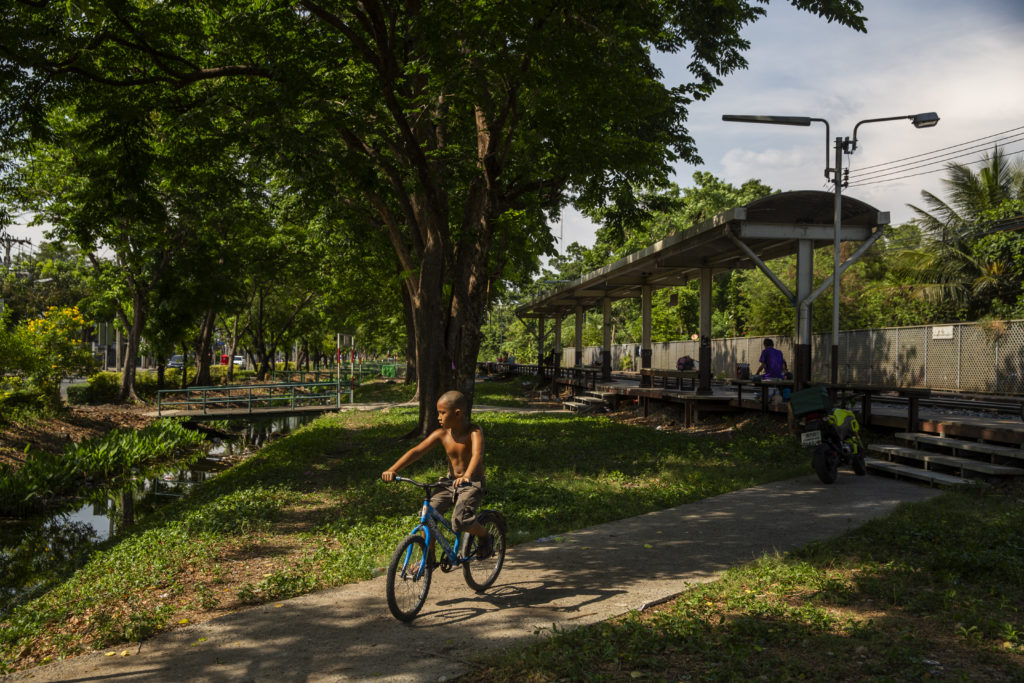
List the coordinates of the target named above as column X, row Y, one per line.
column 177, row 361
column 240, row 361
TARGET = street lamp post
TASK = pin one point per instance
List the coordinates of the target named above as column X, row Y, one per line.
column 842, row 145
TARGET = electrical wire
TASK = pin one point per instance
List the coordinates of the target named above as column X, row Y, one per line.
column 952, row 156
column 943, row 149
column 884, row 179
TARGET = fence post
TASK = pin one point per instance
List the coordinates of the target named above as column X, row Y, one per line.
column 996, row 368
column 927, row 335
column 250, row 400
column 959, row 346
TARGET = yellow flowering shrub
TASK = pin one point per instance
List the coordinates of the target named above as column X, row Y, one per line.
column 53, row 348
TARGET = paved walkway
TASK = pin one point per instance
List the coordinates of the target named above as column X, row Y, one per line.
column 582, row 577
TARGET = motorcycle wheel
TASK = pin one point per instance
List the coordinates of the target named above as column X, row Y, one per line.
column 826, row 463
column 857, row 462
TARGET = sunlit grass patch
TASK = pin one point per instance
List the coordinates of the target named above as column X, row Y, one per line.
column 917, row 595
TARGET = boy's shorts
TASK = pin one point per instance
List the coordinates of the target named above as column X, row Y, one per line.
column 466, row 504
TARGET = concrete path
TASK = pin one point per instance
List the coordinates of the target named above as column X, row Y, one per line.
column 579, row 578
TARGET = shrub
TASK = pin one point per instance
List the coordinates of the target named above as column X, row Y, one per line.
column 78, row 393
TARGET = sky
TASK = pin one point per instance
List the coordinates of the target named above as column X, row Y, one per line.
column 962, row 60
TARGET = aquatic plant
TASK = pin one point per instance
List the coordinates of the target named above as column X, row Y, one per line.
column 107, row 461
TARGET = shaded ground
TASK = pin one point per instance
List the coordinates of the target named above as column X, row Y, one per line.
column 79, row 423
column 576, row 578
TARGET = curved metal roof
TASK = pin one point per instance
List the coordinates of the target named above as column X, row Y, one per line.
column 770, row 227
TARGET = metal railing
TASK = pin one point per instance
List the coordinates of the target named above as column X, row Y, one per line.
column 249, row 397
column 360, row 371
column 962, row 357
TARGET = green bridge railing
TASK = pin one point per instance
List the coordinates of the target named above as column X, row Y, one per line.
column 249, row 397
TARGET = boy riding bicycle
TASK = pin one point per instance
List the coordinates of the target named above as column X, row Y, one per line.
column 464, row 444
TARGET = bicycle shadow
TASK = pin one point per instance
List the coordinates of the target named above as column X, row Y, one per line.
column 539, row 596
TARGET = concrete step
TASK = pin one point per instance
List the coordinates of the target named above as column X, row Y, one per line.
column 593, row 400
column 927, row 458
column 907, row 472
column 577, row 406
column 962, row 444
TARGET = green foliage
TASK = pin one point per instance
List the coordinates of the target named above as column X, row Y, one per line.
column 324, row 479
column 103, row 387
column 931, row 591
column 50, row 348
column 44, row 477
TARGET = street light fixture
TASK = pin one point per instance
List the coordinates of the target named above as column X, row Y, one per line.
column 923, row 120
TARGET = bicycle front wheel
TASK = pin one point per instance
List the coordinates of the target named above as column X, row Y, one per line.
column 409, row 578
column 481, row 572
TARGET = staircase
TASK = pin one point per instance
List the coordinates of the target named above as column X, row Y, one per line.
column 589, row 402
column 942, row 460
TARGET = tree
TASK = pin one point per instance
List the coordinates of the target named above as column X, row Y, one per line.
column 455, row 128
column 951, row 266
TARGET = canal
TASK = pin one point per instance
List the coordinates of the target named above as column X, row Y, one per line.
column 37, row 553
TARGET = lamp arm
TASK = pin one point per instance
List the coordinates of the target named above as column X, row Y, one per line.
column 887, row 118
column 826, row 144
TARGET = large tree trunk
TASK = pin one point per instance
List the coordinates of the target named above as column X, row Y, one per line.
column 203, row 347
column 433, row 363
column 127, row 392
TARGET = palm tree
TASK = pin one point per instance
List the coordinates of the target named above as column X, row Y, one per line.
column 944, row 268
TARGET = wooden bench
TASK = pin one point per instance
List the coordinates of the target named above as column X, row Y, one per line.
column 962, row 465
column 763, row 384
column 654, row 378
column 990, row 449
column 866, row 391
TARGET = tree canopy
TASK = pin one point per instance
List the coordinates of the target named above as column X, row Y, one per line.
column 454, row 130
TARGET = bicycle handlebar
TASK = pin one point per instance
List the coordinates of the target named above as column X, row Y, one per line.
column 421, row 484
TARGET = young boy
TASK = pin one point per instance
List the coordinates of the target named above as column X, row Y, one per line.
column 464, row 444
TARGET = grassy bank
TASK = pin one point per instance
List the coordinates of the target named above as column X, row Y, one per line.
column 933, row 592
column 309, row 512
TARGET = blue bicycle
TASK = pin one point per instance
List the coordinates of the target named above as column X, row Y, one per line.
column 418, row 554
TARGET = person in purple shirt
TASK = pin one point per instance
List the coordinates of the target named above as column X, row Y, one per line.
column 772, row 363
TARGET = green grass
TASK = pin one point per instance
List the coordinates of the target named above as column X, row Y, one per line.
column 312, row 508
column 935, row 591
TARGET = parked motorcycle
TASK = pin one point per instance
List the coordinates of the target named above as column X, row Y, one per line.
column 832, row 435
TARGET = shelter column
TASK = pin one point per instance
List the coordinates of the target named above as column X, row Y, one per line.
column 704, row 378
column 645, row 332
column 540, row 346
column 578, row 343
column 804, row 284
column 606, row 341
column 558, row 344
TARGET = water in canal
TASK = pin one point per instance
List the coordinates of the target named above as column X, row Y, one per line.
column 37, row 553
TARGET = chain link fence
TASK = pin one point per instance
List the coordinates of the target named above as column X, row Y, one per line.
column 964, row 357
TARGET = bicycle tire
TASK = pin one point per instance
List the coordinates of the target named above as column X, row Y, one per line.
column 407, row 587
column 481, row 574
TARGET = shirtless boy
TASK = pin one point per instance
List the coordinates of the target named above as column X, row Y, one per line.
column 464, row 444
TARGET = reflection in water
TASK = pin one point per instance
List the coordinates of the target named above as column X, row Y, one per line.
column 38, row 553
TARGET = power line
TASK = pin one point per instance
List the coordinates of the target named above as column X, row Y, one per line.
column 934, row 170
column 951, row 156
column 943, row 149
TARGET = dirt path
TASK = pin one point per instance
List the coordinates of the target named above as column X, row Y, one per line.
column 580, row 578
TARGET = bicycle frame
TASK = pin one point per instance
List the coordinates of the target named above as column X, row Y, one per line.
column 428, row 526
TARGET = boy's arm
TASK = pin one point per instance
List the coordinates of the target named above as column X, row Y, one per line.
column 412, row 455
column 476, row 458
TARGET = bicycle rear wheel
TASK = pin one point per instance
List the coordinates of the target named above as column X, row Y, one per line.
column 409, row 578
column 481, row 573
